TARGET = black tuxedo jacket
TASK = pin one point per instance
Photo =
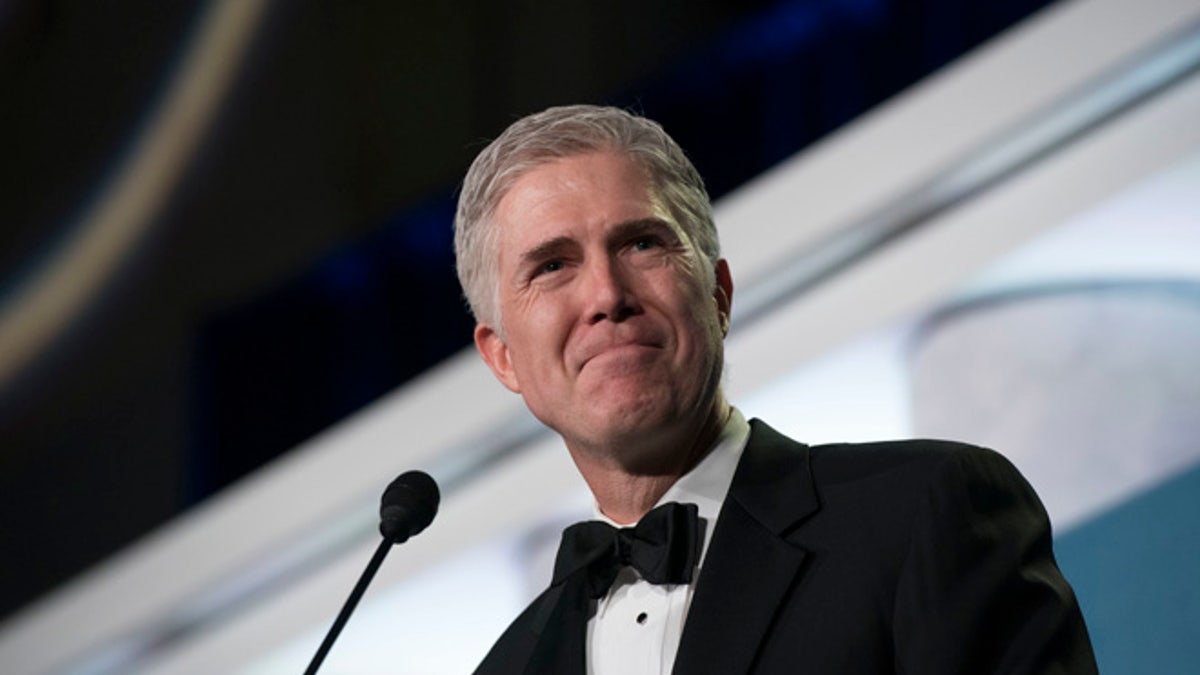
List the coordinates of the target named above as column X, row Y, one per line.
column 914, row 557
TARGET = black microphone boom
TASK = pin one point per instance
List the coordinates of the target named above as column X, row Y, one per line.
column 408, row 506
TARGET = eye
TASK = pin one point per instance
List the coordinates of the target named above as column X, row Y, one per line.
column 646, row 243
column 548, row 267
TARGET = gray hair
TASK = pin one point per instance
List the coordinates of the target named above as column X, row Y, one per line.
column 557, row 133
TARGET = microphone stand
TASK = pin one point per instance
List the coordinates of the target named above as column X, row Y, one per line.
column 351, row 603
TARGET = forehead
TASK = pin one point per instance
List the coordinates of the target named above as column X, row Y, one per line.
column 573, row 195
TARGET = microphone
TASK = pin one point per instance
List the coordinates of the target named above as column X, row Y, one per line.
column 408, row 506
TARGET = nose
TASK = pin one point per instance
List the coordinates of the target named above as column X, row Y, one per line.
column 608, row 292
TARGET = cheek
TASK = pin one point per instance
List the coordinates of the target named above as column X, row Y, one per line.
column 697, row 305
column 538, row 336
column 703, row 324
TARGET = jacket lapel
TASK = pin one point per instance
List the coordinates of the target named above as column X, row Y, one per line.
column 561, row 625
column 749, row 566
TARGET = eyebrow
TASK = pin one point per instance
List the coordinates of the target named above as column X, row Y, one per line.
column 548, row 248
column 554, row 246
column 640, row 226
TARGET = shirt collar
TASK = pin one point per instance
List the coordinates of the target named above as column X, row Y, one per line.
column 708, row 482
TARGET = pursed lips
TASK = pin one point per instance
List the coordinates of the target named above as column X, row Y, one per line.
column 617, row 348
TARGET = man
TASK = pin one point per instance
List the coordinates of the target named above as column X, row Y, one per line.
column 588, row 254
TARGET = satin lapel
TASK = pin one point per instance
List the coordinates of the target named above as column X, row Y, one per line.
column 562, row 627
column 749, row 566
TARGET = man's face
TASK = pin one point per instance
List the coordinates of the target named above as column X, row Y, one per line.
column 610, row 334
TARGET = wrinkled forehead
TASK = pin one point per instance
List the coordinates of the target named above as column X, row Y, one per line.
column 591, row 190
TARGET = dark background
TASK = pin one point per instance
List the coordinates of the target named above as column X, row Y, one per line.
column 303, row 267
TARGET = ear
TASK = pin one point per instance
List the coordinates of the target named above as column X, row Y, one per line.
column 723, row 294
column 495, row 354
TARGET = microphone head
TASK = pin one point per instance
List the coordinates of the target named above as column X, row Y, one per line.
column 408, row 506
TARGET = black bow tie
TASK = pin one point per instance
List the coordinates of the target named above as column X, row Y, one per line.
column 663, row 547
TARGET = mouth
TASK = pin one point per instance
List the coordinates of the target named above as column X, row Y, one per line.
column 626, row 353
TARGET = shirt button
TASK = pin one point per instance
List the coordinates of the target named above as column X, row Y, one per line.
column 641, row 618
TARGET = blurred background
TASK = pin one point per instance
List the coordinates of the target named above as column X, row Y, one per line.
column 229, row 314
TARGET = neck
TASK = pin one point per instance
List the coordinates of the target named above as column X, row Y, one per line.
column 627, row 484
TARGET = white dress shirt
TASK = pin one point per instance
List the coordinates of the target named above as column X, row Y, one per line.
column 637, row 626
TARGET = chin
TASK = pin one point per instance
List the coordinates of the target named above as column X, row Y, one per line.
column 631, row 422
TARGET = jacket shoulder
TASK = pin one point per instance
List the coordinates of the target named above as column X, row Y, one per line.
column 913, row 459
